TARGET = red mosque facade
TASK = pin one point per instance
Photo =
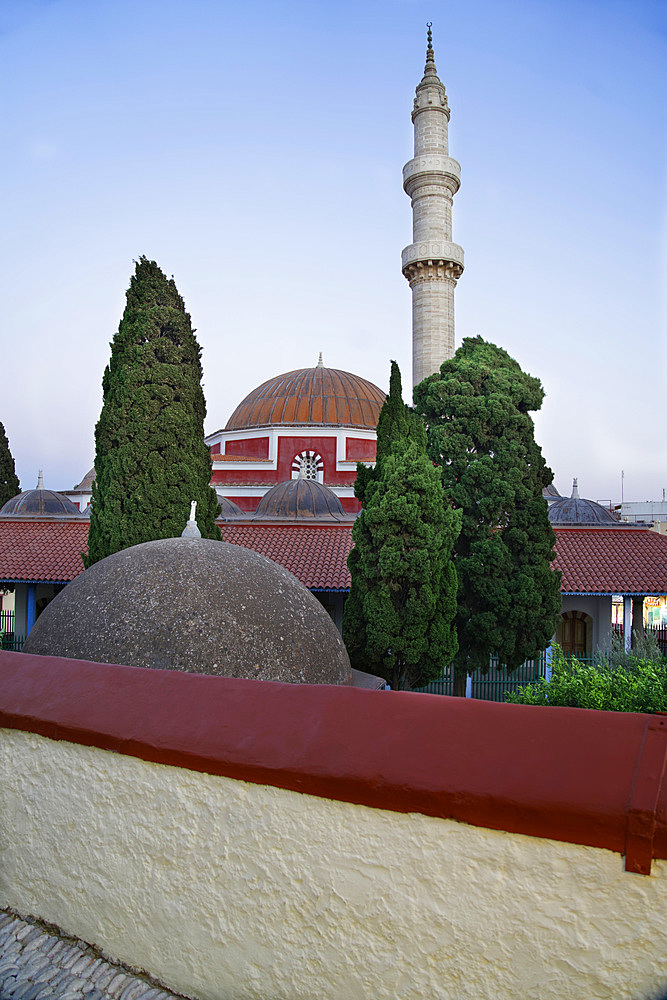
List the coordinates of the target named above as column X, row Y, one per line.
column 315, row 422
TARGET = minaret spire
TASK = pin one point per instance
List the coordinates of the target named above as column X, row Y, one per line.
column 430, row 58
column 432, row 263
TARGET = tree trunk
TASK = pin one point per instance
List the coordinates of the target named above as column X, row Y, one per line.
column 460, row 683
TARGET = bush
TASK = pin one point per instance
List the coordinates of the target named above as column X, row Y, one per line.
column 644, row 647
column 635, row 685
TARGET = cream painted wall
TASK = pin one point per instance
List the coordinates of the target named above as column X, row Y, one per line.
column 234, row 891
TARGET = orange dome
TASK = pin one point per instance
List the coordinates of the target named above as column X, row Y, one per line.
column 311, row 396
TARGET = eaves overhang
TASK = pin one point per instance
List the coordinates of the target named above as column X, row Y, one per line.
column 611, row 593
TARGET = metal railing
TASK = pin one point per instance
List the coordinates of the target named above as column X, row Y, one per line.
column 12, row 642
column 6, row 621
column 492, row 685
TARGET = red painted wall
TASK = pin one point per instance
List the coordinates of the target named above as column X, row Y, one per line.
column 289, row 447
column 248, row 447
column 252, row 477
column 249, row 504
column 359, row 450
column 586, row 777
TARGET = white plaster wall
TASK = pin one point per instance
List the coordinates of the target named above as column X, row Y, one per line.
column 229, row 890
column 7, row 600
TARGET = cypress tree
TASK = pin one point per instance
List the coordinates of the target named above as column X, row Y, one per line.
column 481, row 434
column 150, row 455
column 398, row 618
column 393, row 424
column 9, row 483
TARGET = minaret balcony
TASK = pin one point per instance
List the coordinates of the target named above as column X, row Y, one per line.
column 431, row 167
column 427, row 251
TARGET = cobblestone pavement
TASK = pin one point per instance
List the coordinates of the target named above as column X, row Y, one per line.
column 37, row 963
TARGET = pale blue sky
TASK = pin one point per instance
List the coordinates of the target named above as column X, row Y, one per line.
column 255, row 151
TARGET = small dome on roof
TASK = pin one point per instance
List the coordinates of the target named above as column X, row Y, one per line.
column 40, row 503
column 301, row 500
column 86, row 484
column 575, row 510
column 228, row 509
column 317, row 395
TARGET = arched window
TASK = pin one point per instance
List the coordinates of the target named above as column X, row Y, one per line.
column 309, row 465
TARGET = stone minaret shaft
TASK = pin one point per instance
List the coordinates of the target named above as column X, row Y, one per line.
column 432, row 263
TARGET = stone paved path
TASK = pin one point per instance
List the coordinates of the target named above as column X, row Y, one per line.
column 36, row 963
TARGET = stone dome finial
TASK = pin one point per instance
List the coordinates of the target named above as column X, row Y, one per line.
column 320, row 363
column 191, row 529
column 575, row 489
column 40, row 480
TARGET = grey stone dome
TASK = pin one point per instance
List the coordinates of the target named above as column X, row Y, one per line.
column 575, row 510
column 40, row 503
column 301, row 499
column 197, row 605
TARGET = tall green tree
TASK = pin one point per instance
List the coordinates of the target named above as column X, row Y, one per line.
column 9, row 483
column 396, row 422
column 150, row 455
column 398, row 618
column 481, row 434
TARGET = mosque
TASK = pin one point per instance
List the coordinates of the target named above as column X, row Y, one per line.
column 319, row 422
column 284, row 464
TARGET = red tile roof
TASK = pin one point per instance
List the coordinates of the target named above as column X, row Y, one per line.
column 315, row 555
column 592, row 560
column 611, row 560
column 41, row 550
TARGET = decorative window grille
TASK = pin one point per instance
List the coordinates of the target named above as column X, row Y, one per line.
column 308, row 464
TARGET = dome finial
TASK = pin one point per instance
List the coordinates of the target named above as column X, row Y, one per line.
column 320, row 363
column 191, row 530
column 575, row 489
column 40, row 480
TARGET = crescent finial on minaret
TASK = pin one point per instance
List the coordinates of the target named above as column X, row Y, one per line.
column 429, row 69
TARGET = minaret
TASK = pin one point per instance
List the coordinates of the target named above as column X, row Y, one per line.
column 432, row 263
